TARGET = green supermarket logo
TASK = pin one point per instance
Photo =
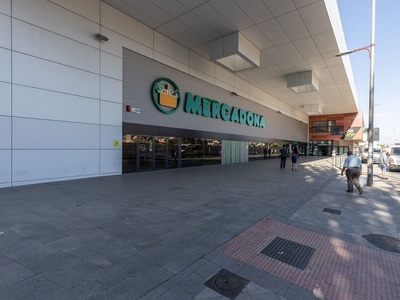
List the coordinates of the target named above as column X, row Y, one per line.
column 167, row 98
column 166, row 95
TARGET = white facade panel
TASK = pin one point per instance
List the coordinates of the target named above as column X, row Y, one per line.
column 32, row 40
column 110, row 113
column 5, row 133
column 201, row 64
column 5, row 7
column 55, row 18
column 224, row 75
column 111, row 66
column 87, row 8
column 170, row 48
column 202, row 76
column 5, row 33
column 109, row 135
column 5, row 99
column 54, row 77
column 41, row 104
column 5, row 63
column 110, row 162
column 5, row 163
column 171, row 62
column 120, row 22
column 44, row 134
column 117, row 42
column 34, row 166
column 111, row 89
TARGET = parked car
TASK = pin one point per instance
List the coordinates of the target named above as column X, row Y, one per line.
column 376, row 154
column 394, row 159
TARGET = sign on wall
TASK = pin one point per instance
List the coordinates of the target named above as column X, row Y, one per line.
column 167, row 98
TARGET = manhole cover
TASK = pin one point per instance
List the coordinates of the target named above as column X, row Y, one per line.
column 384, row 242
column 226, row 283
column 332, row 211
column 289, row 252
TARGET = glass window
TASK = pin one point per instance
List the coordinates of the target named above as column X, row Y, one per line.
column 129, row 153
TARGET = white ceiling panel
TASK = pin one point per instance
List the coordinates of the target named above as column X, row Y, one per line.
column 316, row 18
column 196, row 24
column 257, row 38
column 300, row 65
column 301, row 3
column 214, row 19
column 150, row 10
column 292, row 35
column 255, row 10
column 306, row 47
column 325, row 43
column 275, row 55
column 190, row 4
column 293, row 25
column 229, row 10
column 278, row 8
column 289, row 51
column 274, row 32
column 171, row 7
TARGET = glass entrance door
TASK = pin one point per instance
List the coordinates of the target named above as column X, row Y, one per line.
column 146, row 153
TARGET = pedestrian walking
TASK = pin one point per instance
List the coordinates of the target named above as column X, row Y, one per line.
column 353, row 166
column 384, row 163
column 284, row 153
column 269, row 153
column 295, row 157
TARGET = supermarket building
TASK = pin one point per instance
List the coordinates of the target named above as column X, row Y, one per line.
column 96, row 88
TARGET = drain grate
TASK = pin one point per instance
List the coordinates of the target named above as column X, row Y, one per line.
column 226, row 283
column 289, row 252
column 384, row 242
column 332, row 211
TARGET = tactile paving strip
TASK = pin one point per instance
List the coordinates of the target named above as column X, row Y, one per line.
column 336, row 270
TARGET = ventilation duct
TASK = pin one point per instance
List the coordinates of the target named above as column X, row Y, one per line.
column 235, row 52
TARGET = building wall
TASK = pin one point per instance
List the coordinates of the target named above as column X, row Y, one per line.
column 345, row 120
column 61, row 88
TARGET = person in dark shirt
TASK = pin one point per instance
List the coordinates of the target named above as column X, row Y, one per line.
column 284, row 153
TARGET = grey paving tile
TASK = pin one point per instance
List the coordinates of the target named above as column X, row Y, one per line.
column 176, row 293
column 193, row 284
column 155, row 293
column 119, row 271
column 43, row 232
column 90, row 256
column 36, row 256
column 140, row 283
column 38, row 288
column 9, row 238
column 78, row 276
column 12, row 273
column 4, row 260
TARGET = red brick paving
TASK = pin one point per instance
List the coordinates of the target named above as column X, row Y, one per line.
column 336, row 270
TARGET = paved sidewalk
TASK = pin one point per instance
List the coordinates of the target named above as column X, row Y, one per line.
column 162, row 235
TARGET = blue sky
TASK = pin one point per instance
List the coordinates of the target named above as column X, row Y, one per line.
column 356, row 22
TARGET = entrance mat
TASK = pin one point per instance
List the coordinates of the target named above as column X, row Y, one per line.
column 336, row 270
column 289, row 252
column 384, row 242
column 226, row 283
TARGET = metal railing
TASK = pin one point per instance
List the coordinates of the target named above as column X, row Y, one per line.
column 338, row 160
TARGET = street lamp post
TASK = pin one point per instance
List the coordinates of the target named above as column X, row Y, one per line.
column 371, row 50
